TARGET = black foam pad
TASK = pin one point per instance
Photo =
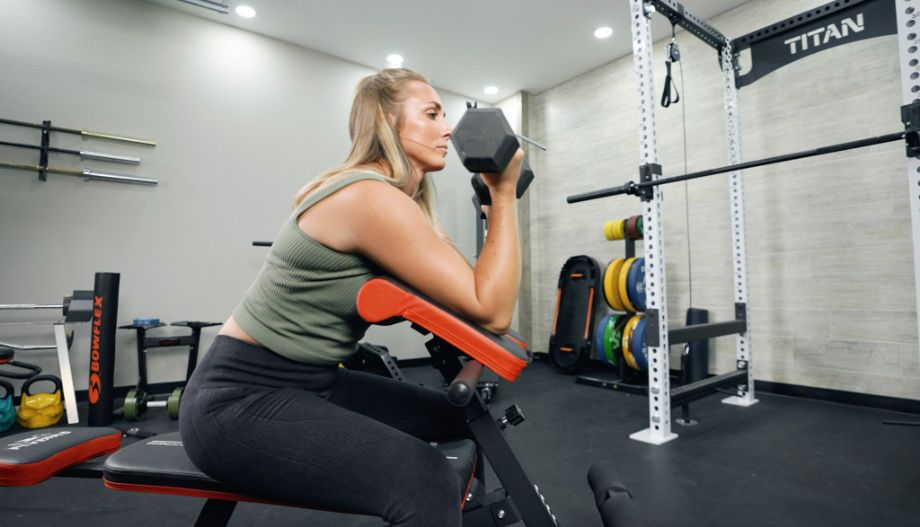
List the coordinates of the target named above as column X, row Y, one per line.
column 158, row 461
column 32, row 457
column 159, row 464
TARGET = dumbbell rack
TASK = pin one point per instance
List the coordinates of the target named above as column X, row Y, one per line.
column 139, row 400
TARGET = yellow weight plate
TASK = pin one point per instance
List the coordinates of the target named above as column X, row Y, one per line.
column 611, row 289
column 627, row 336
column 622, row 283
column 620, row 231
column 608, row 230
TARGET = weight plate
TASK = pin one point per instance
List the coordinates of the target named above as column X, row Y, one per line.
column 640, row 226
column 627, row 338
column 611, row 289
column 172, row 404
column 631, row 228
column 637, row 346
column 612, row 339
column 132, row 406
column 609, row 230
column 622, row 286
column 635, row 283
column 599, row 338
column 618, row 335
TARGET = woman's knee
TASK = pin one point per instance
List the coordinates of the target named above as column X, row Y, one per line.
column 432, row 494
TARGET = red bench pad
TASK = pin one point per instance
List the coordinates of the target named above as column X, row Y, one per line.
column 382, row 300
column 32, row 457
column 159, row 465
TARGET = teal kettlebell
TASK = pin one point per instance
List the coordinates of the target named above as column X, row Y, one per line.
column 7, row 410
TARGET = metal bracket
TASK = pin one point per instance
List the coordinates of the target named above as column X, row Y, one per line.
column 740, row 311
column 648, row 8
column 651, row 333
column 910, row 116
column 647, row 173
column 43, row 156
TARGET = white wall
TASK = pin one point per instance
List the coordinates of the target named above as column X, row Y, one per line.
column 242, row 122
column 830, row 264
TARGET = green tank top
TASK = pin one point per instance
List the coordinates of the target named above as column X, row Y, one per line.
column 302, row 303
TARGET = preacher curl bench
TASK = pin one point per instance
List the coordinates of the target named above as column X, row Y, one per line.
column 459, row 350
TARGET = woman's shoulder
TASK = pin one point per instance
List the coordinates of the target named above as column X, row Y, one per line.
column 355, row 184
column 359, row 173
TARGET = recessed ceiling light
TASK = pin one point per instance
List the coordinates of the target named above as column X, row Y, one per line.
column 394, row 60
column 491, row 90
column 245, row 11
column 603, row 32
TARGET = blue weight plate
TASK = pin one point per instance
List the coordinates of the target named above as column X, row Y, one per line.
column 599, row 338
column 637, row 345
column 635, row 284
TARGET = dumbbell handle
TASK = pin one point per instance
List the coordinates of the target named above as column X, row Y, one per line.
column 531, row 141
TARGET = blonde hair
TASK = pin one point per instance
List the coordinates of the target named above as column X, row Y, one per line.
column 375, row 138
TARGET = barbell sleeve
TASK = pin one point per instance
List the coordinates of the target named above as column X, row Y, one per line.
column 83, row 133
column 84, row 154
column 89, row 175
column 122, row 138
column 628, row 188
column 92, row 175
column 112, row 158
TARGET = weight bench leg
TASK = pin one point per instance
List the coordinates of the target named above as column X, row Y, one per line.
column 215, row 513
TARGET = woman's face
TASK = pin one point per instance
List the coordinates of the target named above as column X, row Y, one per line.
column 423, row 130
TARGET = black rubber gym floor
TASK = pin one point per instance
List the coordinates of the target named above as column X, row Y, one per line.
column 783, row 462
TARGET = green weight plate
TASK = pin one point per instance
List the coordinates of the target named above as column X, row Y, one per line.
column 599, row 338
column 135, row 405
column 612, row 339
column 172, row 404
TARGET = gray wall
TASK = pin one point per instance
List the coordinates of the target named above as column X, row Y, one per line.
column 242, row 122
column 829, row 239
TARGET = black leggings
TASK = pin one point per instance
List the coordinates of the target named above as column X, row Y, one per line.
column 323, row 436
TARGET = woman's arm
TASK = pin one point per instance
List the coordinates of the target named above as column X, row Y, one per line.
column 382, row 223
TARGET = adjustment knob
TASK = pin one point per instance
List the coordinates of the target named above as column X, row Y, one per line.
column 513, row 416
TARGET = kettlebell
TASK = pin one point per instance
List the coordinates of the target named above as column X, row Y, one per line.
column 41, row 409
column 7, row 410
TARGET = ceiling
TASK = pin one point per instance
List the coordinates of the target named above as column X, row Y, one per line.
column 460, row 46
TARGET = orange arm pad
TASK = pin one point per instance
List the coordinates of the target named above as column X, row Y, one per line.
column 382, row 300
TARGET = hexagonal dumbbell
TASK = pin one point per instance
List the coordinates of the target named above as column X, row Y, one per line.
column 484, row 140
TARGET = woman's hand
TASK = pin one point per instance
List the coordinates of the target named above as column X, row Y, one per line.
column 505, row 183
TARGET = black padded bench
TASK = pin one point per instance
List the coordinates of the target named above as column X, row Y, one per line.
column 159, row 465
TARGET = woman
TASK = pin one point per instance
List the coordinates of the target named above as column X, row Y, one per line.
column 268, row 410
